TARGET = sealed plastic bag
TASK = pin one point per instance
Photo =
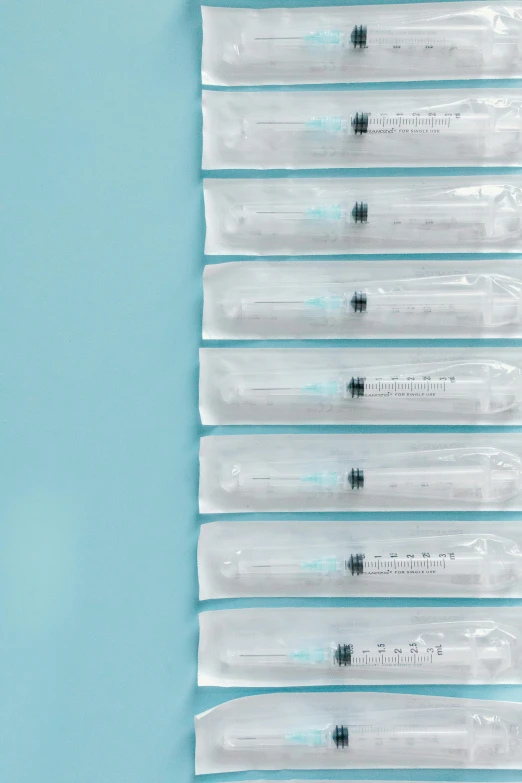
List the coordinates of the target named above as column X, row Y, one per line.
column 356, row 731
column 321, row 646
column 336, row 129
column 390, row 559
column 359, row 386
column 360, row 472
column 324, row 45
column 378, row 299
column 363, row 215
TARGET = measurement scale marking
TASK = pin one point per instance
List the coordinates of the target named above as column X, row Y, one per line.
column 394, row 563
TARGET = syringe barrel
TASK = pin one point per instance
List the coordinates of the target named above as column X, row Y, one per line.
column 408, row 652
column 435, row 482
column 429, row 37
column 427, row 302
column 482, row 482
column 476, row 388
column 447, row 565
column 407, row 386
column 427, row 214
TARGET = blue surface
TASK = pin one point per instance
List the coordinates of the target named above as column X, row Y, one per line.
column 103, row 242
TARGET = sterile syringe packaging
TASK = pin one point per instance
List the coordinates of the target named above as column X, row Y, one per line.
column 340, row 129
column 360, row 386
column 449, row 559
column 361, row 43
column 283, row 647
column 362, row 299
column 381, row 472
column 339, row 215
column 358, row 731
column 285, row 217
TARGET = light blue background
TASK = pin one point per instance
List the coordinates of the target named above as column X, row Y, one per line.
column 103, row 234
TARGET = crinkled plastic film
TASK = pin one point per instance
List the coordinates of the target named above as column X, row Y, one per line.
column 377, row 299
column 324, row 558
column 346, row 559
column 338, row 129
column 360, row 472
column 314, row 216
column 360, row 386
column 358, row 731
column 285, row 647
column 324, row 45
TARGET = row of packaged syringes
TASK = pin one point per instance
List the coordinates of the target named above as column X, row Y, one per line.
column 299, row 299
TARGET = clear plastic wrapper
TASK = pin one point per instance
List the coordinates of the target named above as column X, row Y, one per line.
column 378, row 299
column 314, row 216
column 397, row 559
column 356, row 731
column 360, row 472
column 359, row 386
column 337, row 129
column 324, row 45
column 320, row 646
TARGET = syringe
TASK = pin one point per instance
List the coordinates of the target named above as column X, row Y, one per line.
column 480, row 218
column 462, row 130
column 490, row 300
column 471, row 565
column 469, row 44
column 480, row 388
column 430, row 734
column 436, row 38
column 475, row 127
column 362, row 123
column 436, row 650
column 482, row 476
